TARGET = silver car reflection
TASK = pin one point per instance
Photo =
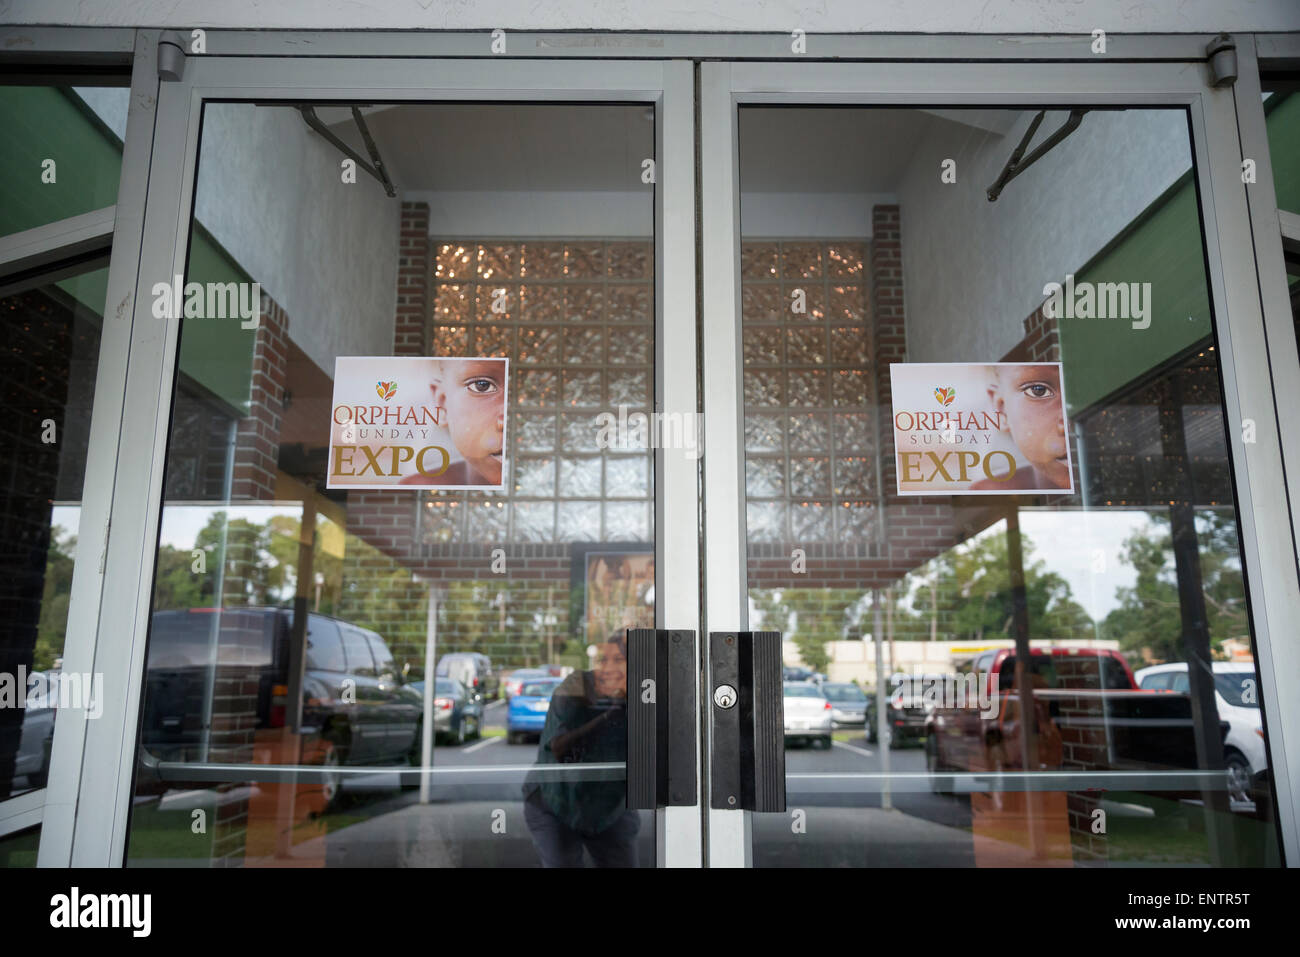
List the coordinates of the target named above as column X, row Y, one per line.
column 807, row 714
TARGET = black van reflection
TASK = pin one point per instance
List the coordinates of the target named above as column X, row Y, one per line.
column 218, row 685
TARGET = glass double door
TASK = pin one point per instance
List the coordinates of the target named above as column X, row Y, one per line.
column 431, row 439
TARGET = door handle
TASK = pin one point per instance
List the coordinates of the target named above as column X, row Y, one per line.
column 661, row 718
column 748, row 710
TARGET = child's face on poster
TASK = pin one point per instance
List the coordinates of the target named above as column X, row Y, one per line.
column 1030, row 398
column 473, row 394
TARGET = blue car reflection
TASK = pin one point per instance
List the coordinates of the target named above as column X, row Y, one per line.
column 526, row 715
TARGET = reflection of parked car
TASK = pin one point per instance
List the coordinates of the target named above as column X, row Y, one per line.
column 807, row 714
column 848, row 704
column 796, row 673
column 457, row 714
column 526, row 714
column 516, row 679
column 354, row 706
column 1236, row 693
column 473, row 670
column 33, row 758
column 906, row 710
column 1083, row 698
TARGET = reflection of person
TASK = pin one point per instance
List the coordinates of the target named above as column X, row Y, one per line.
column 1028, row 399
column 472, row 394
column 586, row 722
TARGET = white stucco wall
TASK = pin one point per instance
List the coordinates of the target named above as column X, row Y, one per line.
column 812, row 16
column 974, row 270
column 271, row 195
column 270, row 192
column 110, row 105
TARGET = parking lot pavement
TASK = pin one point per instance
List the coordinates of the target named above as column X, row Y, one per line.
column 494, row 714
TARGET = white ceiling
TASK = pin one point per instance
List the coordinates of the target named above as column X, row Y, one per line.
column 600, row 147
column 470, row 147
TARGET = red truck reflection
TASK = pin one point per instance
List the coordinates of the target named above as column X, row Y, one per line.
column 1089, row 715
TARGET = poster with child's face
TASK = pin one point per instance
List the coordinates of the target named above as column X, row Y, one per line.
column 980, row 428
column 418, row 421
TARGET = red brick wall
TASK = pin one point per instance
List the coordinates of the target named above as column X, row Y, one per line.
column 389, row 521
column 1042, row 341
column 257, row 444
column 414, row 274
column 888, row 324
column 254, row 471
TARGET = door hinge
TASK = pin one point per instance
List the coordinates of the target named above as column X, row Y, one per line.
column 1222, row 54
column 171, row 58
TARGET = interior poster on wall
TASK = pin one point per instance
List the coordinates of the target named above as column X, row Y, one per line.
column 415, row 421
column 617, row 587
column 994, row 428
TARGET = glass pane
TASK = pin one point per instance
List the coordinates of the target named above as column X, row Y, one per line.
column 19, row 849
column 972, row 640
column 50, row 356
column 293, row 622
column 61, row 154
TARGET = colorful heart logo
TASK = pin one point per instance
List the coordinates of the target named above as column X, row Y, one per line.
column 945, row 396
column 386, row 390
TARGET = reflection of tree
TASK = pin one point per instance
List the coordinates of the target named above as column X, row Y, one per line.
column 965, row 594
column 1147, row 623
column 54, row 602
column 810, row 617
column 261, row 565
column 512, row 622
column 175, row 583
column 515, row 622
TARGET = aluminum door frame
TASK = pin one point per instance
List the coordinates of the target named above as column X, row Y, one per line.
column 53, row 806
column 95, row 779
column 1270, row 558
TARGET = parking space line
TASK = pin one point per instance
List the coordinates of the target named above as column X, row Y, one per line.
column 853, row 747
column 478, row 744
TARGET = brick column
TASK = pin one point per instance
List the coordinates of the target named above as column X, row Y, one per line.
column 256, row 463
column 387, row 520
column 888, row 326
column 257, row 443
column 1042, row 338
column 414, row 276
column 385, row 524
column 916, row 529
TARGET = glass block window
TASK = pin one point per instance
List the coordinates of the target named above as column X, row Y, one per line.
column 576, row 319
column 809, row 388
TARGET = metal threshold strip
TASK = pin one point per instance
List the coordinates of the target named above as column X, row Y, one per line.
column 803, row 782
column 489, row 774
column 967, row 782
